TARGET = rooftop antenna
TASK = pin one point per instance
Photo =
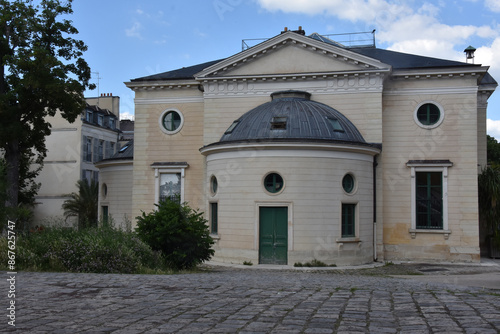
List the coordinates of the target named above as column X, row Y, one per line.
column 98, row 77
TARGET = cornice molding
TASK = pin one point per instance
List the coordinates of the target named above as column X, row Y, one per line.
column 169, row 100
column 289, row 149
column 315, row 84
column 431, row 91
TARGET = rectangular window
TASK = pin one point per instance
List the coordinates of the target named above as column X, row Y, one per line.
column 100, row 150
column 348, row 220
column 278, row 123
column 429, row 200
column 170, row 186
column 105, row 213
column 100, row 120
column 87, row 175
column 111, row 123
column 89, row 117
column 87, row 149
column 214, row 217
column 95, row 151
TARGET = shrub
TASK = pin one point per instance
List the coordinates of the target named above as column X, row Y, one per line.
column 179, row 232
column 313, row 263
column 100, row 250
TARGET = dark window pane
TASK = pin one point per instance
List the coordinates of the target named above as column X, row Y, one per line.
column 428, row 114
column 348, row 220
column 429, row 200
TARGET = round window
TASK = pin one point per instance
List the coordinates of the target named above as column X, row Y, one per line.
column 213, row 185
column 273, row 183
column 348, row 183
column 429, row 115
column 171, row 121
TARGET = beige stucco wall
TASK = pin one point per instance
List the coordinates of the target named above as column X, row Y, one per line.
column 63, row 166
column 152, row 145
column 61, row 170
column 115, row 192
column 379, row 103
column 313, row 194
column 455, row 140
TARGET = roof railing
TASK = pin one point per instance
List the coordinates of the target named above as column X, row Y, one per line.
column 346, row 40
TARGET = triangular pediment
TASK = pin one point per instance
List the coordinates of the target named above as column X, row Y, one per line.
column 292, row 53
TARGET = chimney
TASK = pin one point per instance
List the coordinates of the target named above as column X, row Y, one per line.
column 299, row 31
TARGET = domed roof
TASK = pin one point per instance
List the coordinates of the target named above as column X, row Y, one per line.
column 291, row 115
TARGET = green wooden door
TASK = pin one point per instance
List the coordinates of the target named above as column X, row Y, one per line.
column 273, row 235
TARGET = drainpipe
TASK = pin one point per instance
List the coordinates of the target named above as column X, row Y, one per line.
column 375, row 208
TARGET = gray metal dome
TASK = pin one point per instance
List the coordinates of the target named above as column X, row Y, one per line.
column 291, row 115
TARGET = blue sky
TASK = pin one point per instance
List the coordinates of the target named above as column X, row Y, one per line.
column 129, row 39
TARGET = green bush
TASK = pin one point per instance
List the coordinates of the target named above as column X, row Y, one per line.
column 99, row 250
column 179, row 232
column 313, row 263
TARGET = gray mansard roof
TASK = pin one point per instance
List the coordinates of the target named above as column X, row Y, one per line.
column 291, row 115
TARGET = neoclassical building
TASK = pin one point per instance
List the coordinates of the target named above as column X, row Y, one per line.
column 301, row 148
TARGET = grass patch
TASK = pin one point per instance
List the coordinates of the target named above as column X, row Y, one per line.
column 247, row 263
column 93, row 250
column 313, row 263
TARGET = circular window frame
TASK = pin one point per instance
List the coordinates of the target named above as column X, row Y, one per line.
column 431, row 126
column 264, row 183
column 354, row 184
column 104, row 190
column 162, row 126
column 213, row 181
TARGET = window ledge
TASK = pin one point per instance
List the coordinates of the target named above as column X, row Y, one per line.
column 348, row 240
column 445, row 233
column 353, row 240
column 215, row 236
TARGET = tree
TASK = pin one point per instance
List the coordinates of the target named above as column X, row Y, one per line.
column 41, row 71
column 179, row 232
column 489, row 204
column 83, row 204
column 493, row 150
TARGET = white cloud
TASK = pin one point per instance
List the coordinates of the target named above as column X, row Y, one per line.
column 134, row 31
column 416, row 30
column 488, row 55
column 127, row 115
column 493, row 5
column 352, row 12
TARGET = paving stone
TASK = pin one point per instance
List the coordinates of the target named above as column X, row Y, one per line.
column 229, row 300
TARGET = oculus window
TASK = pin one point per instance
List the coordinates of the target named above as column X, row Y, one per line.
column 171, row 121
column 348, row 183
column 429, row 115
column 273, row 183
column 213, row 185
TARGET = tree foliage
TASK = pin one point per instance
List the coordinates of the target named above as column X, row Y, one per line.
column 41, row 71
column 493, row 151
column 489, row 201
column 83, row 204
column 179, row 232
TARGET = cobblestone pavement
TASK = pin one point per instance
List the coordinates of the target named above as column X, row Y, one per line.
column 236, row 300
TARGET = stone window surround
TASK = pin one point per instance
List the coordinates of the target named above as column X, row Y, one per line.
column 429, row 166
column 168, row 168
